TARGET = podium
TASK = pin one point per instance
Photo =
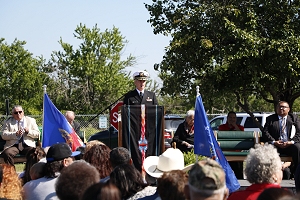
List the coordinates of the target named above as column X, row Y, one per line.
column 141, row 131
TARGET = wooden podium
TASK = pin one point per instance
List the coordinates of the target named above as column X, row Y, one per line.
column 141, row 131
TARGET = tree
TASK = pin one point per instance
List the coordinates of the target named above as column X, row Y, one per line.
column 21, row 78
column 92, row 76
column 240, row 48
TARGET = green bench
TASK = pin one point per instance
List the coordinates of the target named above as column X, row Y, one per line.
column 236, row 144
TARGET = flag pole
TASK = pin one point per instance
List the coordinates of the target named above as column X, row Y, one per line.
column 197, row 94
column 45, row 92
column 197, row 91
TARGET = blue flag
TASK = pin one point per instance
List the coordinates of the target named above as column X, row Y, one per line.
column 205, row 144
column 56, row 128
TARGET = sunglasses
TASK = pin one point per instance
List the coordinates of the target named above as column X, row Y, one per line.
column 18, row 112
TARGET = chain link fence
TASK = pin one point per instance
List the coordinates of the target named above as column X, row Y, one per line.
column 90, row 124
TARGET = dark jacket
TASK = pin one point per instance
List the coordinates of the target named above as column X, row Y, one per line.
column 271, row 131
column 76, row 127
column 181, row 135
column 133, row 98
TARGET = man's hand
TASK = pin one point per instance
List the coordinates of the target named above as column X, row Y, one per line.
column 187, row 144
column 234, row 125
column 26, row 130
column 19, row 133
column 282, row 144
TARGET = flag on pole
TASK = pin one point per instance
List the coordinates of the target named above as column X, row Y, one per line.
column 205, row 144
column 56, row 128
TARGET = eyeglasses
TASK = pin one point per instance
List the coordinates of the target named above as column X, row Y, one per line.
column 283, row 107
column 18, row 112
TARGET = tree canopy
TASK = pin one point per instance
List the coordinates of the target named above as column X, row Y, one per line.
column 240, row 48
column 92, row 76
column 21, row 78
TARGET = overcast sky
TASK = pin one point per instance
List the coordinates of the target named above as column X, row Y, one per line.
column 42, row 23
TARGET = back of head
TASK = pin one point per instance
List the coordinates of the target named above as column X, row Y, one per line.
column 55, row 156
column 275, row 194
column 98, row 156
column 75, row 179
column 1, row 173
column 37, row 170
column 128, row 179
column 11, row 185
column 207, row 179
column 33, row 156
column 171, row 185
column 92, row 143
column 119, row 156
column 102, row 191
column 262, row 164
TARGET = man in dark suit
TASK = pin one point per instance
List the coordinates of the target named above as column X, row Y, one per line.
column 283, row 131
column 139, row 95
column 70, row 116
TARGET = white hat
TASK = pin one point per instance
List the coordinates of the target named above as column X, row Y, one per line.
column 171, row 159
column 140, row 75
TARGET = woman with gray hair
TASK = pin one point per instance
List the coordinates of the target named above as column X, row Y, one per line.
column 184, row 135
column 263, row 170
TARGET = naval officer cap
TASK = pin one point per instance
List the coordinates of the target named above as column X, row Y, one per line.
column 140, row 75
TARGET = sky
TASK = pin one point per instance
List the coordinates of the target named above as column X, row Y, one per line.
column 42, row 23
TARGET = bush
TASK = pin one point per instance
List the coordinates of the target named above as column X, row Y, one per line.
column 190, row 158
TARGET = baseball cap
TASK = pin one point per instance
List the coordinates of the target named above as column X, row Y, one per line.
column 140, row 75
column 207, row 174
column 60, row 151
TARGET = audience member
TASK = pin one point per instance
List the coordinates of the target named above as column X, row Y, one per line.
column 70, row 116
column 11, row 187
column 139, row 95
column 263, row 170
column 37, row 170
column 19, row 131
column 184, row 135
column 231, row 124
column 171, row 185
column 102, row 191
column 171, row 159
column 98, row 156
column 89, row 144
column 58, row 156
column 33, row 156
column 283, row 131
column 118, row 156
column 130, row 182
column 206, row 181
column 75, row 179
column 275, row 194
column 156, row 166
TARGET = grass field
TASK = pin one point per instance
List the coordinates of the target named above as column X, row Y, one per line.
column 20, row 167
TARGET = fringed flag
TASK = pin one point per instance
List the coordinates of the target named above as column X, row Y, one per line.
column 56, row 128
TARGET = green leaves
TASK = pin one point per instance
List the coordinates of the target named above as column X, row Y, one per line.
column 21, row 78
column 236, row 47
column 92, row 76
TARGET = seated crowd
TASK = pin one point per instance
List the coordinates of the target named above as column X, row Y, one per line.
column 61, row 176
column 100, row 173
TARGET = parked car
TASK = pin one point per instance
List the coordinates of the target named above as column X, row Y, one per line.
column 171, row 124
column 243, row 119
column 110, row 136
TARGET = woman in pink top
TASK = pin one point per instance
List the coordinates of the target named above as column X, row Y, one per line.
column 263, row 170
